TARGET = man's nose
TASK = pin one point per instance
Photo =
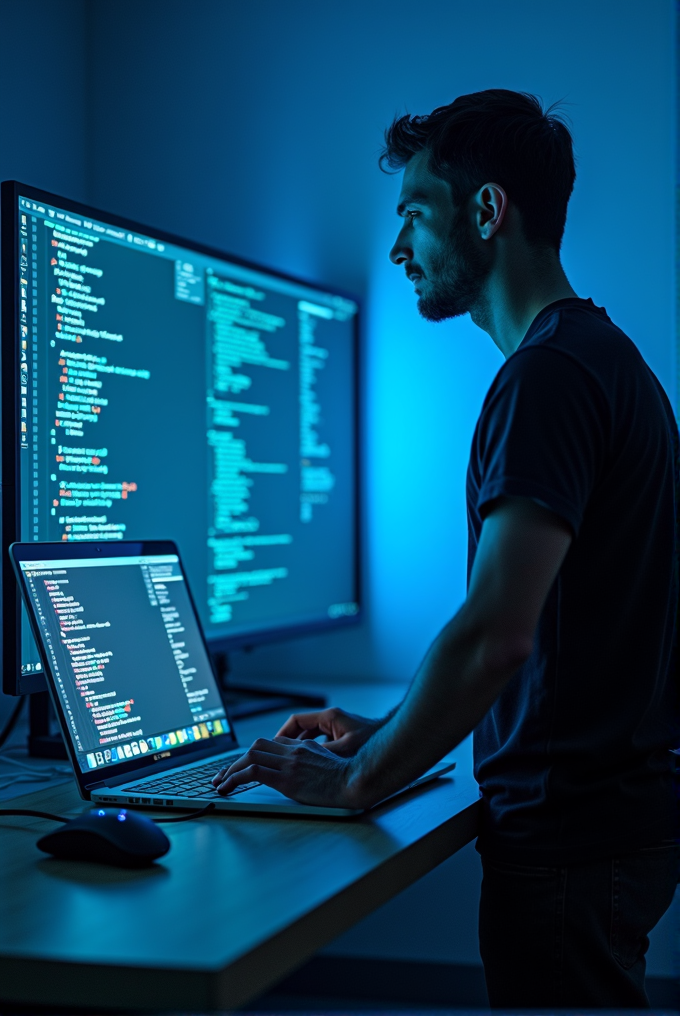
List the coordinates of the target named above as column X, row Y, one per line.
column 401, row 252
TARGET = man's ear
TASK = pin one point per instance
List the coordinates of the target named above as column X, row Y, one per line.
column 490, row 203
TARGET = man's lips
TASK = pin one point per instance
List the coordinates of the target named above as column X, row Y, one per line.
column 416, row 279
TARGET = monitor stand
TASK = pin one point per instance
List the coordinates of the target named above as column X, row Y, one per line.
column 250, row 700
column 42, row 742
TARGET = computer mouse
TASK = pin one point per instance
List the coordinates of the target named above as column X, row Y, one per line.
column 109, row 836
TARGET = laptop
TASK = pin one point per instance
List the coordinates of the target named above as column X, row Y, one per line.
column 131, row 679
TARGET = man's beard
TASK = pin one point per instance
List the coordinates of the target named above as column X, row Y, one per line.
column 456, row 276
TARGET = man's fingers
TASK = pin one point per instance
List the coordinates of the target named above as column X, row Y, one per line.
column 269, row 761
column 291, row 728
column 301, row 723
column 262, row 746
column 275, row 746
column 256, row 773
column 345, row 745
column 264, row 758
column 306, row 735
column 219, row 775
column 261, row 751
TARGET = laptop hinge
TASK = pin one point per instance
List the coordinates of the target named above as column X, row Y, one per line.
column 159, row 767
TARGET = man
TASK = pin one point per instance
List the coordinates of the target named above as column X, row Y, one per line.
column 562, row 656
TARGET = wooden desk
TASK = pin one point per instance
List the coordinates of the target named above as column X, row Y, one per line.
column 237, row 904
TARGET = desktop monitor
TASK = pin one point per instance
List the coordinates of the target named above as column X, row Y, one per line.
column 154, row 388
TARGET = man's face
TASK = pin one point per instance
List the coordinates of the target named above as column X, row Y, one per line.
column 436, row 245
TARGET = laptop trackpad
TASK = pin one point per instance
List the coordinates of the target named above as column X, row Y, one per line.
column 263, row 795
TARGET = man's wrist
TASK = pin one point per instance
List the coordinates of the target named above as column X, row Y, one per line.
column 355, row 784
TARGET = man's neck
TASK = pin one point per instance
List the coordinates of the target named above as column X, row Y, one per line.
column 518, row 288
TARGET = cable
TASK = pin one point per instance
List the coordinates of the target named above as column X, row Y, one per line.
column 60, row 818
column 12, row 721
column 33, row 814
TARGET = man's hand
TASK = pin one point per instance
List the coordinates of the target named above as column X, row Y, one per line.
column 306, row 771
column 345, row 732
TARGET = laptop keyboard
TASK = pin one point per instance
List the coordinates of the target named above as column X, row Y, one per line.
column 188, row 783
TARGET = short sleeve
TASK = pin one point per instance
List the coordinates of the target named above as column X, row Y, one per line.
column 542, row 434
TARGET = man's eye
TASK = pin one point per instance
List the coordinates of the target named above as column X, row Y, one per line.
column 411, row 215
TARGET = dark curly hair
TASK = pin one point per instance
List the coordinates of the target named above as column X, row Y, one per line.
column 495, row 136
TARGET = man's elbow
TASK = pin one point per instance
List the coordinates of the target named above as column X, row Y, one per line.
column 502, row 654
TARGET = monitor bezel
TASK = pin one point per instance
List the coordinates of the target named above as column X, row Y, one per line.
column 141, row 764
column 14, row 683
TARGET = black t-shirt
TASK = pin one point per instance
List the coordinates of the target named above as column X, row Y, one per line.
column 573, row 758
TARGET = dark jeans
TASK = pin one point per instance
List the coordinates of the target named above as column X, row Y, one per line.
column 573, row 937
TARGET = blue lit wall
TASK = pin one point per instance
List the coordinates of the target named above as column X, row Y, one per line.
column 43, row 106
column 255, row 127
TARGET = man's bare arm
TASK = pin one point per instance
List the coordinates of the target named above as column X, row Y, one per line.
column 521, row 549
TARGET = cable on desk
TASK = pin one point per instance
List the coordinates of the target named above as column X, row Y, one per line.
column 33, row 814
column 60, row 818
column 12, row 721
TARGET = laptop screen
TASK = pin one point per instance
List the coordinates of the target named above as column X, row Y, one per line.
column 129, row 663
